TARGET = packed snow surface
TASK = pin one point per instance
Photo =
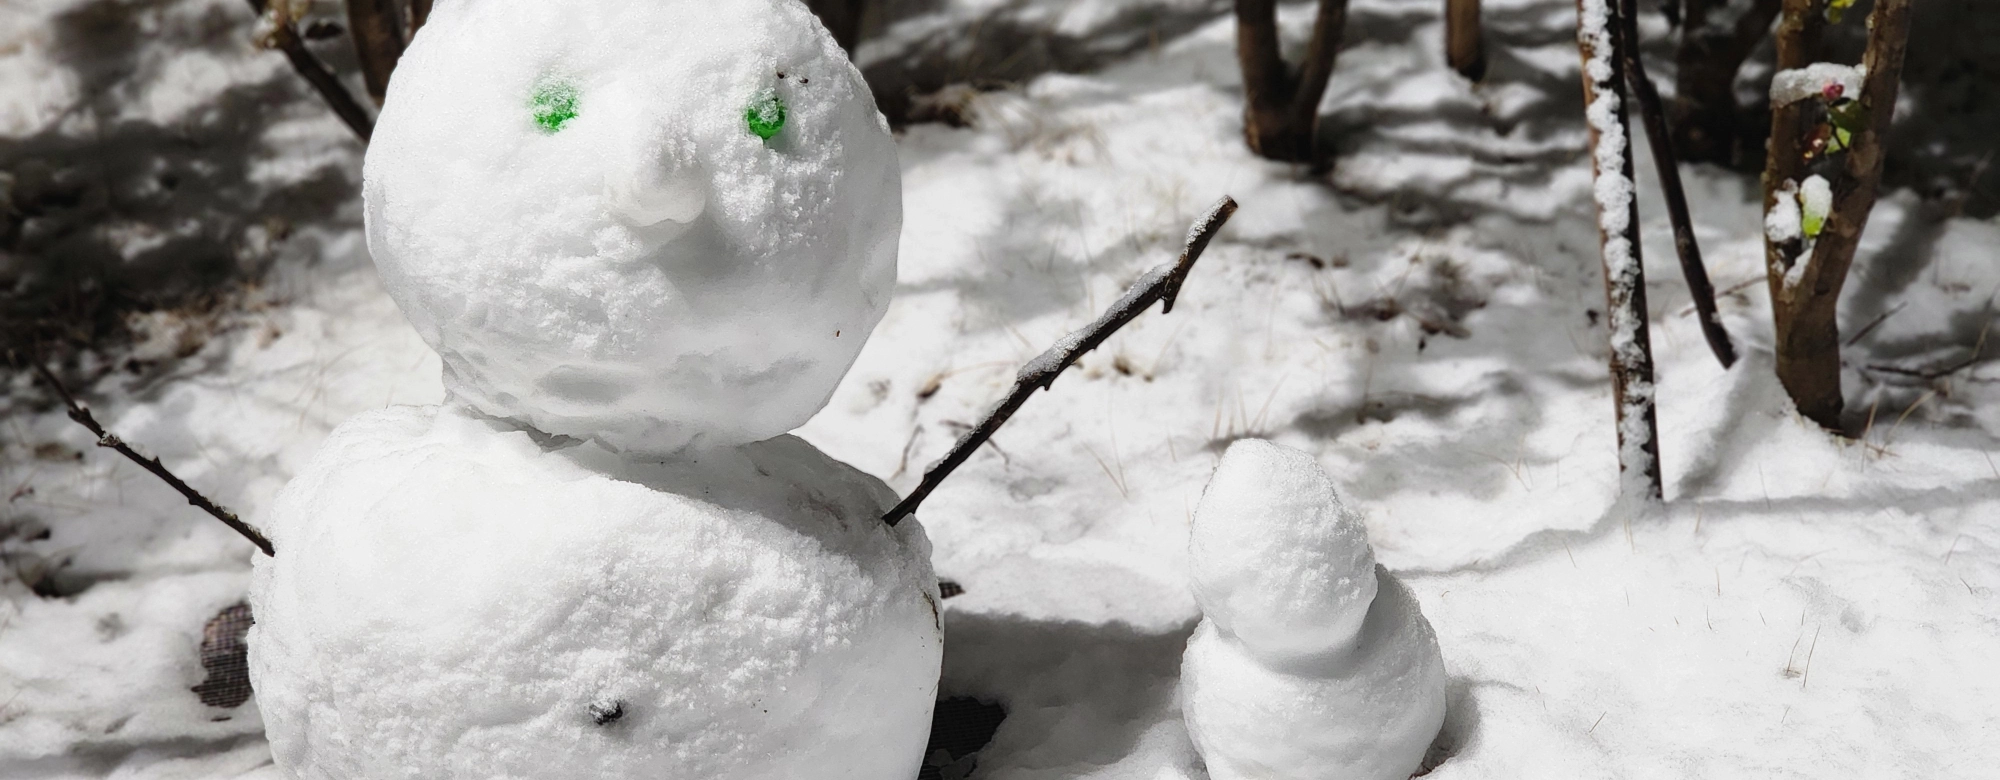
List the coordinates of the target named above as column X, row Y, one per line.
column 1311, row 661
column 451, row 599
column 573, row 203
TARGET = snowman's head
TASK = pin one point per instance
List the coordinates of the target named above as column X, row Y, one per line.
column 660, row 224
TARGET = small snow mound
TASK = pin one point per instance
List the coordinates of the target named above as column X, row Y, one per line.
column 450, row 600
column 1279, row 562
column 1782, row 222
column 1795, row 84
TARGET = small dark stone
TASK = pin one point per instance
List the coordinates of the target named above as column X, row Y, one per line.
column 605, row 712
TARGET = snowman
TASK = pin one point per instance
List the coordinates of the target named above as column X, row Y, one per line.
column 647, row 238
column 1311, row 661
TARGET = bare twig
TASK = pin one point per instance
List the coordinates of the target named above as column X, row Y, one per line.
column 283, row 35
column 105, row 438
column 1162, row 284
column 1660, row 140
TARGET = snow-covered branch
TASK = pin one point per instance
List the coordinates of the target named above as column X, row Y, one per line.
column 1618, row 233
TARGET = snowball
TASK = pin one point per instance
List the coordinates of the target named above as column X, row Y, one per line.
column 1278, row 561
column 1781, row 223
column 1368, row 712
column 572, row 203
column 450, row 599
column 1815, row 202
column 1795, row 84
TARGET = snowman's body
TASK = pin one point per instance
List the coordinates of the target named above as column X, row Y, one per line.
column 646, row 236
column 453, row 600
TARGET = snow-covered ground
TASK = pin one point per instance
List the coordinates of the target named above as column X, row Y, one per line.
column 1429, row 326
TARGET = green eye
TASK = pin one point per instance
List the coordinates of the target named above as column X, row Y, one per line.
column 553, row 104
column 766, row 115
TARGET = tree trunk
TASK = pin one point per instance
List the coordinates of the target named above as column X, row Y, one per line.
column 1617, row 204
column 420, row 12
column 378, row 42
column 1281, row 108
column 1712, row 50
column 1463, row 49
column 1804, row 302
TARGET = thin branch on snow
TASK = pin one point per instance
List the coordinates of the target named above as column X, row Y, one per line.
column 105, row 438
column 277, row 31
column 1632, row 388
column 1660, row 140
column 1162, row 284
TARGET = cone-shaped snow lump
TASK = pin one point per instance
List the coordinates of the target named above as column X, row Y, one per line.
column 658, row 224
column 1311, row 661
column 452, row 600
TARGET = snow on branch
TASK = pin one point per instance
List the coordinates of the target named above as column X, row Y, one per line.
column 105, row 438
column 1618, row 232
column 1162, row 284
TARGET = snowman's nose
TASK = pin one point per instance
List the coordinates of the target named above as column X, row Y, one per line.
column 659, row 186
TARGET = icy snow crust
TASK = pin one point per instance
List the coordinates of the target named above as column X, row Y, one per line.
column 451, row 599
column 652, row 275
column 1311, row 661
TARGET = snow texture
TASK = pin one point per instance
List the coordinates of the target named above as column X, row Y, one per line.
column 1783, row 223
column 649, row 274
column 1277, row 560
column 1311, row 660
column 1795, row 84
column 450, row 599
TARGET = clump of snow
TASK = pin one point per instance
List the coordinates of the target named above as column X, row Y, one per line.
column 1815, row 202
column 1310, row 660
column 639, row 267
column 1782, row 222
column 1812, row 81
column 450, row 599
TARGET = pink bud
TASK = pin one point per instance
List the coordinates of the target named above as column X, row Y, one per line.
column 1833, row 91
